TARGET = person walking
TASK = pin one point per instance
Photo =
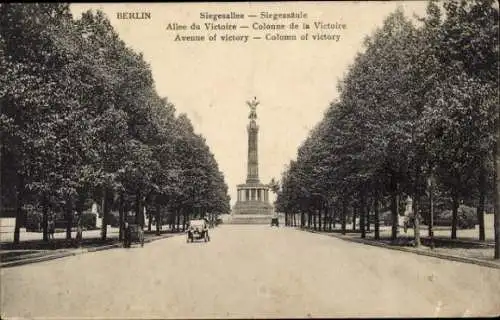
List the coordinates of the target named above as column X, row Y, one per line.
column 51, row 227
column 406, row 222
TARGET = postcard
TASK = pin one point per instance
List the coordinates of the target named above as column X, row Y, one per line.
column 249, row 160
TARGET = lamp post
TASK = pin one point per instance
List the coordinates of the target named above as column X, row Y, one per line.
column 430, row 184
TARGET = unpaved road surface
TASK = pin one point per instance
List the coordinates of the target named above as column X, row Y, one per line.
column 249, row 271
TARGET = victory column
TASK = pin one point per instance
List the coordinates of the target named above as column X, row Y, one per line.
column 252, row 205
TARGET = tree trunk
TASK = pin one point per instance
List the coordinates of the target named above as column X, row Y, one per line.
column 105, row 210
column 344, row 216
column 137, row 207
column 496, row 160
column 19, row 209
column 362, row 215
column 454, row 219
column 322, row 219
column 17, row 226
column 331, row 218
column 172, row 219
column 317, row 219
column 181, row 220
column 69, row 218
column 368, row 220
column 183, row 224
column 326, row 218
column 79, row 206
column 354, row 216
column 150, row 218
column 120, row 217
column 158, row 220
column 431, row 214
column 45, row 218
column 177, row 220
column 313, row 220
column 376, row 209
column 334, row 215
column 416, row 206
column 416, row 220
column 480, row 207
column 184, row 218
column 394, row 213
column 319, row 213
column 180, row 213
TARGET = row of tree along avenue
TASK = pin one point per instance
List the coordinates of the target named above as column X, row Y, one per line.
column 81, row 120
column 417, row 118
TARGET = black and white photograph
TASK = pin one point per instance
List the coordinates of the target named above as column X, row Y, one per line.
column 249, row 160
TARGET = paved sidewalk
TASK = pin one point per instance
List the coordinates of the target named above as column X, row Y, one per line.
column 11, row 258
column 24, row 236
column 467, row 251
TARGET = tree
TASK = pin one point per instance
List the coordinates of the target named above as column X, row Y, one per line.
column 37, row 109
column 464, row 51
column 419, row 101
column 82, row 120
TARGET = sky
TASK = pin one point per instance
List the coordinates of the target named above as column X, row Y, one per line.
column 210, row 81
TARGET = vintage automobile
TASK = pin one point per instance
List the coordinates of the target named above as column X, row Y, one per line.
column 197, row 230
column 275, row 222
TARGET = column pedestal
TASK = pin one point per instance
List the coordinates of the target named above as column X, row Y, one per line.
column 252, row 205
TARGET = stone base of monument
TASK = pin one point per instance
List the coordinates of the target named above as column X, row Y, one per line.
column 251, row 212
column 250, row 219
